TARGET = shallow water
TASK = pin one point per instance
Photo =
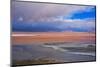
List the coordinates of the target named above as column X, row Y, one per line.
column 36, row 51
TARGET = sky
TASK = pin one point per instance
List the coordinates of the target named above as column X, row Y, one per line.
column 43, row 17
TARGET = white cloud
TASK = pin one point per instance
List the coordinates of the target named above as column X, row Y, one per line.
column 20, row 19
column 36, row 11
column 79, row 23
column 88, row 23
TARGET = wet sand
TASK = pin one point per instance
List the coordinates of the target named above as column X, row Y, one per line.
column 37, row 51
